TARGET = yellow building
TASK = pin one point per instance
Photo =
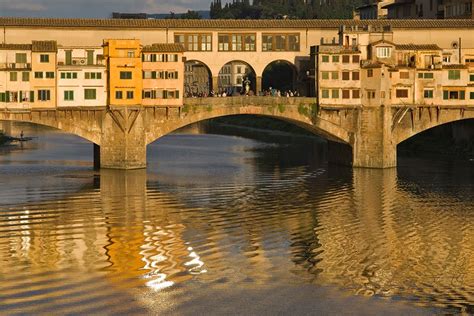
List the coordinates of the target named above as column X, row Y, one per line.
column 124, row 64
column 43, row 81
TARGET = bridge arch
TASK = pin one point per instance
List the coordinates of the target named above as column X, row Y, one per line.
column 197, row 78
column 72, row 131
column 232, row 76
column 83, row 123
column 280, row 74
column 293, row 113
column 452, row 116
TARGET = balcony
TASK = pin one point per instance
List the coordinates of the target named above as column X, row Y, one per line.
column 12, row 66
column 81, row 62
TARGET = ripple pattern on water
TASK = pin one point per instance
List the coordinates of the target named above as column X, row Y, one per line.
column 80, row 241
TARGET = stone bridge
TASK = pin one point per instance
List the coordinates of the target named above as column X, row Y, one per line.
column 358, row 136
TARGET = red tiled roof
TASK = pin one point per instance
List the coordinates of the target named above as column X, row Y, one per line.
column 417, row 47
column 224, row 24
column 15, row 46
column 44, row 46
column 163, row 47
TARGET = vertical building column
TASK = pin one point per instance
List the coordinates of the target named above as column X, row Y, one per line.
column 373, row 145
column 215, row 83
column 258, row 85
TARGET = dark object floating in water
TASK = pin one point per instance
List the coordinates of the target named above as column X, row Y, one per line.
column 5, row 139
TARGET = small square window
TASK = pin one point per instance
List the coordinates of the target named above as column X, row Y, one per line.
column 401, row 93
column 325, row 94
column 346, row 94
column 68, row 95
column 118, row 95
column 44, row 58
column 89, row 94
column 325, row 58
column 325, row 75
column 355, row 94
column 454, row 74
column 335, row 93
column 345, row 75
column 129, row 95
column 428, row 94
column 125, row 75
column 335, row 58
column 346, row 59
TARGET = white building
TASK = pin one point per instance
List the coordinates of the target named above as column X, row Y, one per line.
column 82, row 77
column 15, row 72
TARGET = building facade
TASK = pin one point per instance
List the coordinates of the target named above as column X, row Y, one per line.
column 457, row 9
column 15, row 76
column 366, row 68
column 373, row 9
column 82, row 77
column 163, row 74
column 413, row 9
column 43, row 81
column 124, row 71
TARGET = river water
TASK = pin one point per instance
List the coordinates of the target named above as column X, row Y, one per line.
column 221, row 224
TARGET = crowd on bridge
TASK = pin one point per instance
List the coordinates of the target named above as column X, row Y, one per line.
column 270, row 92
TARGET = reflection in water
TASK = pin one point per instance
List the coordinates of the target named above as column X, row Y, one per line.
column 122, row 242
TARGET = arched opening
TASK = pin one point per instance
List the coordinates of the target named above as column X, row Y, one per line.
column 280, row 75
column 279, row 131
column 45, row 144
column 197, row 79
column 236, row 78
column 450, row 140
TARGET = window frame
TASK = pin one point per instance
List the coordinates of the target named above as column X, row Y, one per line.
column 281, row 42
column 126, row 75
column 87, row 91
column 244, row 42
column 454, row 74
column 399, row 91
column 68, row 95
column 195, row 41
column 383, row 51
column 44, row 58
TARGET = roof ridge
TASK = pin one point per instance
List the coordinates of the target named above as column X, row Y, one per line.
column 223, row 23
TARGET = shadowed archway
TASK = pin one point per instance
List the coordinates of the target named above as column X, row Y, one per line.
column 281, row 75
column 235, row 76
column 197, row 78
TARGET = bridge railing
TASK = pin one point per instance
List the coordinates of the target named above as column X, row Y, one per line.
column 249, row 100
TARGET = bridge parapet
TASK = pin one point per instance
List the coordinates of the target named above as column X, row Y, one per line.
column 249, row 100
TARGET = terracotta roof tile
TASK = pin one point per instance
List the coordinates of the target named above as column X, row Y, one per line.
column 454, row 66
column 162, row 47
column 219, row 24
column 15, row 46
column 44, row 46
column 417, row 47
